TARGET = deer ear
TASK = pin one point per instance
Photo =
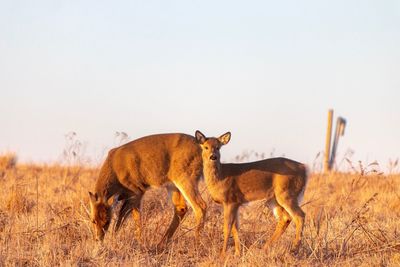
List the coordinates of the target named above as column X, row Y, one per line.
column 93, row 197
column 200, row 138
column 224, row 139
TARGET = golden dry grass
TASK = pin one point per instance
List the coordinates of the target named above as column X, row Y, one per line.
column 352, row 220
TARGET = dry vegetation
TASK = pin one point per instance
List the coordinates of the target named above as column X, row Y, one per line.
column 352, row 219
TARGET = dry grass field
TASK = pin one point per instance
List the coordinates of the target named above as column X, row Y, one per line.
column 352, row 219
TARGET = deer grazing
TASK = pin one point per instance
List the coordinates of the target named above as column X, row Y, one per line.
column 280, row 181
column 173, row 160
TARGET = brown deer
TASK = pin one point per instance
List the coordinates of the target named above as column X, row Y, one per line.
column 280, row 181
column 173, row 160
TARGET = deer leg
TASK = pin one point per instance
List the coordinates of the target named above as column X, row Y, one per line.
column 136, row 201
column 283, row 221
column 230, row 213
column 131, row 204
column 292, row 207
column 138, row 223
column 299, row 221
column 179, row 213
column 235, row 233
column 192, row 195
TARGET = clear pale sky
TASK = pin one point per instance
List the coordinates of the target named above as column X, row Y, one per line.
column 267, row 71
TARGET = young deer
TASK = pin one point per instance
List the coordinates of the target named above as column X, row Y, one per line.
column 164, row 159
column 280, row 181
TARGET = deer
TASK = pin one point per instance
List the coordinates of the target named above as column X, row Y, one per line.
column 171, row 160
column 279, row 181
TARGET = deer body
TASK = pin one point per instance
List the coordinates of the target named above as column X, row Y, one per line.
column 253, row 181
column 173, row 160
column 280, row 181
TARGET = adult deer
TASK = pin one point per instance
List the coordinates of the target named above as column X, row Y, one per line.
column 173, row 160
column 280, row 181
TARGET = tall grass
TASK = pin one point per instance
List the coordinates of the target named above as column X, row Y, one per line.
column 352, row 219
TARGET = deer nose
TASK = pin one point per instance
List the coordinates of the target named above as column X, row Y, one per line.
column 213, row 157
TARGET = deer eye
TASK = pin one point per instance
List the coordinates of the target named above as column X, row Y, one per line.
column 206, row 147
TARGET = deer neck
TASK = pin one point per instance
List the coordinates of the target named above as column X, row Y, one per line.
column 104, row 188
column 212, row 173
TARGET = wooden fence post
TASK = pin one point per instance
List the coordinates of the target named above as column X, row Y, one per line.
column 328, row 141
column 340, row 126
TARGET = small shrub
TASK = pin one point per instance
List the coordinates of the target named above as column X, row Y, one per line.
column 8, row 161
